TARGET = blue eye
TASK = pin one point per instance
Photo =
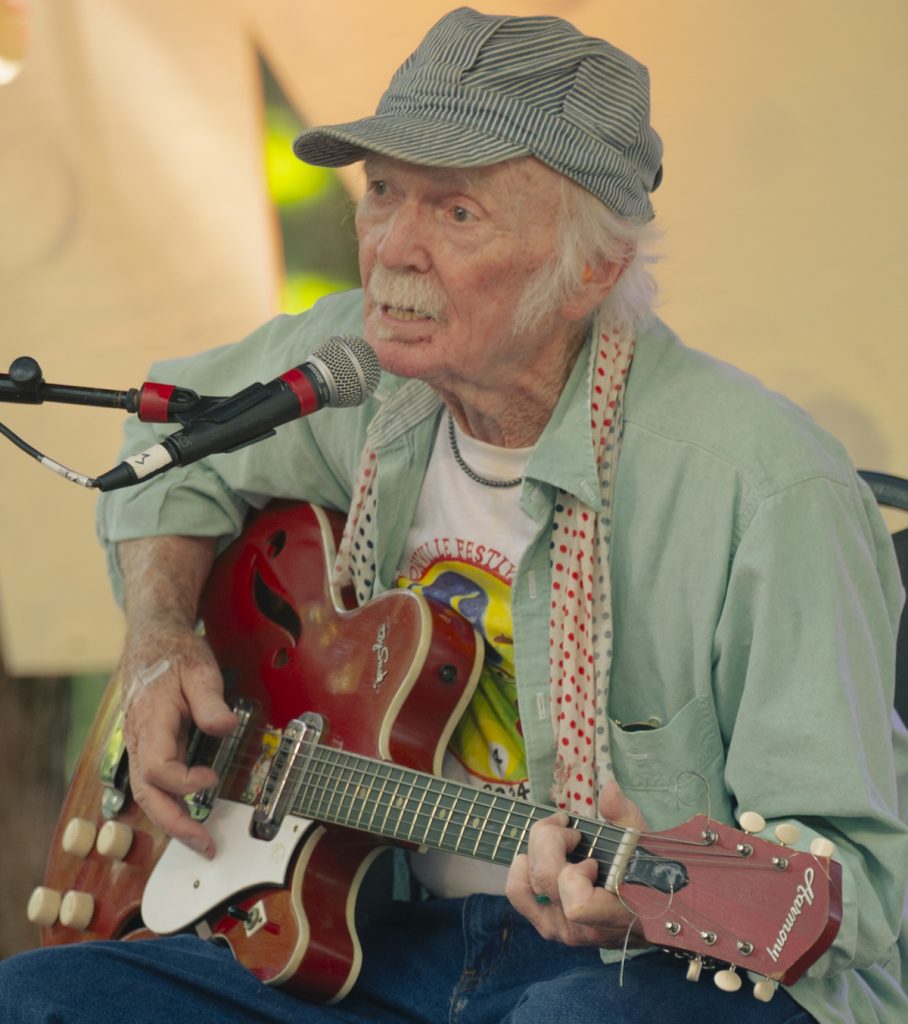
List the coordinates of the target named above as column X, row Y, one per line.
column 461, row 215
column 379, row 187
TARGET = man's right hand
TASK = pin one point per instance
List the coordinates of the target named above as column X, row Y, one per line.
column 170, row 680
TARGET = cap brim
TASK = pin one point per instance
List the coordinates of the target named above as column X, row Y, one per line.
column 417, row 141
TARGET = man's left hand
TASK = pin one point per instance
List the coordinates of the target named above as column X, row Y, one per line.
column 559, row 897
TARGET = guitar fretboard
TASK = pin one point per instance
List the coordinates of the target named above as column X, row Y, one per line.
column 414, row 807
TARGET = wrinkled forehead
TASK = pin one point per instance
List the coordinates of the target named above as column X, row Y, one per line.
column 524, row 178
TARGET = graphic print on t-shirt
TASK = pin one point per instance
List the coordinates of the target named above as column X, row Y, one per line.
column 486, row 748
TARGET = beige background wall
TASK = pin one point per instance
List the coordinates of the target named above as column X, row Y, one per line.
column 134, row 222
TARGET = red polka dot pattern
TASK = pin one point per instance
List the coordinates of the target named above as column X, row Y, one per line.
column 580, row 637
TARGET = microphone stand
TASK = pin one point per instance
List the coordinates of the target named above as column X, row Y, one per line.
column 152, row 402
column 25, row 385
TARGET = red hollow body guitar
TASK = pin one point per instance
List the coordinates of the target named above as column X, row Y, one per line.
column 344, row 716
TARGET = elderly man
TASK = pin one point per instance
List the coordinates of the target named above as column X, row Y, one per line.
column 687, row 598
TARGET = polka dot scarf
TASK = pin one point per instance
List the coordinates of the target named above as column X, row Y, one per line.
column 580, row 624
column 356, row 553
column 580, row 621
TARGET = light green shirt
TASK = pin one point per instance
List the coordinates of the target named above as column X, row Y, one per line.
column 755, row 599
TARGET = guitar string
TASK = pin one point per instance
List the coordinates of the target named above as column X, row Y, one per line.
column 448, row 809
column 692, row 852
column 323, row 755
column 465, row 803
column 518, row 815
column 464, row 808
column 421, row 784
column 481, row 838
column 468, row 800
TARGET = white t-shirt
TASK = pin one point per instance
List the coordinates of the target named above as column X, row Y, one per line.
column 463, row 549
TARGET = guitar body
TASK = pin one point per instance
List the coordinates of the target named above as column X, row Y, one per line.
column 391, row 680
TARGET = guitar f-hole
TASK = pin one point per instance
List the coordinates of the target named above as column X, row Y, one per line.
column 276, row 542
column 275, row 608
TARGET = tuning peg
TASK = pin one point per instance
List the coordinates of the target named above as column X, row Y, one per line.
column 694, row 968
column 764, row 989
column 752, row 822
column 822, row 847
column 728, row 980
column 787, row 834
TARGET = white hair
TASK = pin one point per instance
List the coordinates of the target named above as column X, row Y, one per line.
column 589, row 232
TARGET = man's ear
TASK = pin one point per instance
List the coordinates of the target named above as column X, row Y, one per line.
column 596, row 282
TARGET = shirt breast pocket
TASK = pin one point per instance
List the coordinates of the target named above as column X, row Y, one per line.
column 676, row 770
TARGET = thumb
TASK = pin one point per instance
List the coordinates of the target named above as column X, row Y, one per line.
column 618, row 809
column 203, row 689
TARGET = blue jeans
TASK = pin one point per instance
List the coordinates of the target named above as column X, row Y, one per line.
column 473, row 961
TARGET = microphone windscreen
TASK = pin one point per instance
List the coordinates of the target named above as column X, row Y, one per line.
column 350, row 369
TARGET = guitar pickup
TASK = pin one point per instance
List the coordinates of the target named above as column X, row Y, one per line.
column 288, row 770
column 201, row 802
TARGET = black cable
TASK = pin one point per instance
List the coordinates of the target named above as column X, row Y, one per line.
column 56, row 467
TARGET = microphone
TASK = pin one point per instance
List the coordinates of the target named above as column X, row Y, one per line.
column 342, row 372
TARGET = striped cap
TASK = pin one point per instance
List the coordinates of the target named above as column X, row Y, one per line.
column 480, row 89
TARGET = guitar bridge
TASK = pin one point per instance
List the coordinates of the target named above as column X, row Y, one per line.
column 287, row 773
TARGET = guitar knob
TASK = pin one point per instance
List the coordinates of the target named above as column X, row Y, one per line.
column 752, row 822
column 764, row 990
column 43, row 906
column 79, row 837
column 694, row 968
column 115, row 840
column 787, row 834
column 822, row 847
column 77, row 910
column 728, row 980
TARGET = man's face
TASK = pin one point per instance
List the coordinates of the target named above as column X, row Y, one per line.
column 445, row 256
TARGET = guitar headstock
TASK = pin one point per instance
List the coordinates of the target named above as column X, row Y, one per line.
column 745, row 902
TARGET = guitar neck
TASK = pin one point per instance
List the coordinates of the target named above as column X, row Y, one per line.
column 408, row 806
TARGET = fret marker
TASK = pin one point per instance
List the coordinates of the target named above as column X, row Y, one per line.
column 475, row 823
column 442, row 813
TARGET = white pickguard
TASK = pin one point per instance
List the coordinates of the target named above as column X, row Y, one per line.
column 184, row 885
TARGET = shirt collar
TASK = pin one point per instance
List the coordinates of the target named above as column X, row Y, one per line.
column 564, row 456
